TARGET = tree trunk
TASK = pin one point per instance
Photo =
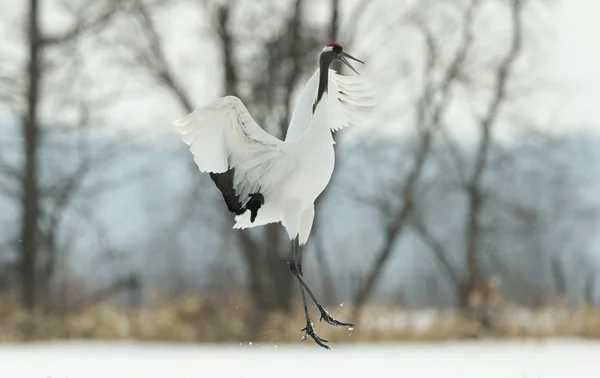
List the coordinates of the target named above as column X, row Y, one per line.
column 29, row 211
column 473, row 238
column 475, row 191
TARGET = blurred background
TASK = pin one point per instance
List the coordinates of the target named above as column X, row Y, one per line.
column 466, row 207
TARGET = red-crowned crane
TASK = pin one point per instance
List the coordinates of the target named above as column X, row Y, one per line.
column 264, row 179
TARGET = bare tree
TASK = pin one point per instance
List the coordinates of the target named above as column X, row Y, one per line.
column 487, row 121
column 38, row 42
column 430, row 109
column 30, row 185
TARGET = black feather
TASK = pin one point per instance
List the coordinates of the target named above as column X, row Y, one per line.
column 255, row 202
column 224, row 182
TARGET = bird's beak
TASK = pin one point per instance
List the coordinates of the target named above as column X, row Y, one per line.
column 345, row 55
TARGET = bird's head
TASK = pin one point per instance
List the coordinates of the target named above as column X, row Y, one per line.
column 335, row 51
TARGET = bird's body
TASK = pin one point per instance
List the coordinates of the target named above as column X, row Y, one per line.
column 264, row 179
column 289, row 174
column 314, row 159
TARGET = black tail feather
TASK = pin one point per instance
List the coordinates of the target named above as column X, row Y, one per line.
column 255, row 202
column 224, row 181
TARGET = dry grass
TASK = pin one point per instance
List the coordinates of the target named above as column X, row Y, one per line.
column 201, row 319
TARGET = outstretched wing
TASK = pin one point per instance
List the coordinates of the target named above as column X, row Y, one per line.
column 239, row 155
column 349, row 99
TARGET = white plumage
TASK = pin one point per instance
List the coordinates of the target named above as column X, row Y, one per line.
column 289, row 174
column 264, row 179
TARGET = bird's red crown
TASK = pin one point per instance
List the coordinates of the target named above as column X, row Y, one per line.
column 334, row 44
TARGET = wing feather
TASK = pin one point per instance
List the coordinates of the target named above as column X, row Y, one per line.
column 349, row 100
column 226, row 141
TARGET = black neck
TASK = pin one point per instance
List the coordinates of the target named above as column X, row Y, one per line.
column 325, row 62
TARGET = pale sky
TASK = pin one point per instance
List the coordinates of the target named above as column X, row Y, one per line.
column 571, row 62
column 576, row 60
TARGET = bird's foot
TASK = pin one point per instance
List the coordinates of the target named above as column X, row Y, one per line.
column 331, row 320
column 309, row 331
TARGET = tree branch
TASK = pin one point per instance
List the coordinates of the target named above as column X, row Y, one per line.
column 437, row 248
column 474, row 190
column 427, row 125
column 85, row 24
column 154, row 58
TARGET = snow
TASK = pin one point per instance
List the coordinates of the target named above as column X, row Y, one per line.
column 490, row 359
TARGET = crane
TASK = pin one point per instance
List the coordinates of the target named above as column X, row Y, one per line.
column 266, row 180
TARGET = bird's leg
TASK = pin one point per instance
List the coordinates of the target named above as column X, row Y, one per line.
column 309, row 330
column 297, row 271
column 324, row 314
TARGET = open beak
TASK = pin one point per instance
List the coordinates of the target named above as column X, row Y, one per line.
column 345, row 55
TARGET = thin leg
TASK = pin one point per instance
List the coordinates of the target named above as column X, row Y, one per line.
column 298, row 273
column 296, row 268
column 309, row 331
column 297, row 256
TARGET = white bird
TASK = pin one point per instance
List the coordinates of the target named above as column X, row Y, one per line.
column 264, row 179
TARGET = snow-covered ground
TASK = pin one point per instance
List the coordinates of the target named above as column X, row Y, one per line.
column 558, row 358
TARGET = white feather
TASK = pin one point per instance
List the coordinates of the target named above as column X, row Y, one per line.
column 306, row 222
column 291, row 174
column 223, row 135
column 349, row 98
